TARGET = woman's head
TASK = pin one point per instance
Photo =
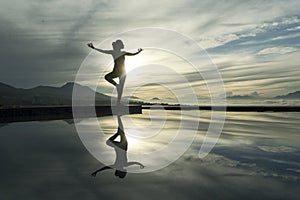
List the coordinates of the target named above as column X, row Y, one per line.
column 120, row 174
column 118, row 44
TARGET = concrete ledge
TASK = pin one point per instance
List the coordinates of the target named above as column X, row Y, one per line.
column 63, row 112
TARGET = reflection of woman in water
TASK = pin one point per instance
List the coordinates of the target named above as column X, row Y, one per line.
column 119, row 66
column 121, row 153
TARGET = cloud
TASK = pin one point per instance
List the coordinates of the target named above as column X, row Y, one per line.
column 285, row 37
column 293, row 28
column 248, row 32
column 277, row 50
column 44, row 42
column 277, row 149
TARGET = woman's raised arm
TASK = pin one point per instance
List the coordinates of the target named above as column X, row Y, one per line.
column 100, row 50
column 133, row 54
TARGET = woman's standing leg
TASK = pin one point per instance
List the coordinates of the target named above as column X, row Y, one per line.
column 120, row 87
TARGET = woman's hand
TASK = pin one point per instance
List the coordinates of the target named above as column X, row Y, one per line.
column 91, row 45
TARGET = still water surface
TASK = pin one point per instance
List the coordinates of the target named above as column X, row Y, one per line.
column 257, row 156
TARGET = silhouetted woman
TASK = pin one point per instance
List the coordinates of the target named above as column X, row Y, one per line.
column 121, row 153
column 119, row 66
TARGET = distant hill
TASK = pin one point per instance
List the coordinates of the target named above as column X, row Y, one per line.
column 241, row 97
column 253, row 95
column 46, row 95
column 155, row 99
column 293, row 95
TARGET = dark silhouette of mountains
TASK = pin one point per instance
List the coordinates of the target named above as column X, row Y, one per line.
column 56, row 96
column 293, row 95
column 46, row 95
column 255, row 95
column 155, row 99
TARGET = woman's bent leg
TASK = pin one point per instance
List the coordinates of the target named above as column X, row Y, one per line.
column 109, row 77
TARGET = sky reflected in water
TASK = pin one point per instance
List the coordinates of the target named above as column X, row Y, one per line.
column 257, row 156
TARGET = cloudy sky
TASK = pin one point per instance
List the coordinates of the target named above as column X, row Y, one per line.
column 255, row 44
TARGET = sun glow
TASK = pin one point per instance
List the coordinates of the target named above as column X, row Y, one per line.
column 133, row 62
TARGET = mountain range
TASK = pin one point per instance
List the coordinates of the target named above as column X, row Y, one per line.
column 55, row 96
column 47, row 95
column 293, row 95
column 255, row 95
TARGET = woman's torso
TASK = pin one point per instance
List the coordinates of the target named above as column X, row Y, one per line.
column 119, row 62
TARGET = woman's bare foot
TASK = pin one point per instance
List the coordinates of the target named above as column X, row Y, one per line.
column 120, row 103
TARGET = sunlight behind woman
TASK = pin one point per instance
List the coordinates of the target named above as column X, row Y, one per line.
column 132, row 63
